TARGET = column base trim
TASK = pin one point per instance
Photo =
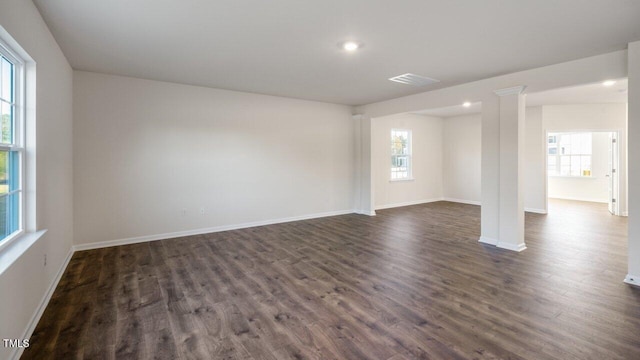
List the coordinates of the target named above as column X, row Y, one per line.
column 488, row 240
column 512, row 247
column 632, row 280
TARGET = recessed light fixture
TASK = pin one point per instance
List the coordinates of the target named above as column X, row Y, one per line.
column 350, row 46
column 466, row 104
column 609, row 83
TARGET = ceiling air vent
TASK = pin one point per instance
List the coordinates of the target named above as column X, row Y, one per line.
column 413, row 79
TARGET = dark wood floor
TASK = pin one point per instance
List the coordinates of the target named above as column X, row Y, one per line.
column 410, row 283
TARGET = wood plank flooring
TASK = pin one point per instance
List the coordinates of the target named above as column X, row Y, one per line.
column 410, row 283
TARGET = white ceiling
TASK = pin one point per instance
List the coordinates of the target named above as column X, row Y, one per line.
column 289, row 47
column 450, row 111
column 584, row 94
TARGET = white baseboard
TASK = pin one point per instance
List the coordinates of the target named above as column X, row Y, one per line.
column 474, row 202
column 625, row 213
column 461, row 201
column 407, row 203
column 632, row 280
column 537, row 211
column 487, row 240
column 512, row 247
column 365, row 212
column 502, row 245
column 579, row 199
column 17, row 352
column 147, row 238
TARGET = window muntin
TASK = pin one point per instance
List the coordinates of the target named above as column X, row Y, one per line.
column 570, row 154
column 400, row 154
column 11, row 145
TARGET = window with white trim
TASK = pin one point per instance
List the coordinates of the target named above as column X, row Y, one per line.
column 11, row 143
column 569, row 154
column 400, row 154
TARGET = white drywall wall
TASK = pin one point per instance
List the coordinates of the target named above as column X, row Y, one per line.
column 426, row 132
column 461, row 158
column 633, row 275
column 535, row 189
column 151, row 156
column 24, row 284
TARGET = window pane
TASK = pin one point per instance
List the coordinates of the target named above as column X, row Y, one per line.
column 9, row 202
column 6, row 76
column 4, row 172
column 9, row 171
column 575, row 166
column 553, row 150
column 399, row 143
column 586, row 144
column 9, row 216
column 565, row 165
column 585, row 164
column 6, row 122
column 552, row 164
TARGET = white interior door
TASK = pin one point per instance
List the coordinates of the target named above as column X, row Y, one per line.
column 613, row 173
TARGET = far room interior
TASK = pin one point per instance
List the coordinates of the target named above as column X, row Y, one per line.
column 319, row 180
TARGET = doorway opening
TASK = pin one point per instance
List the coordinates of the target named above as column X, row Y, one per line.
column 584, row 166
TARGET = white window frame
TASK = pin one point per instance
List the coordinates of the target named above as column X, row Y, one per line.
column 559, row 156
column 409, row 156
column 18, row 143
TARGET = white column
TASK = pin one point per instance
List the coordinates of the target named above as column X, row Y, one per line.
column 365, row 177
column 633, row 143
column 490, row 174
column 512, row 117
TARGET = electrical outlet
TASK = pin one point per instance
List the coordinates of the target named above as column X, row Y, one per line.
column 45, row 259
column 184, row 212
column 202, row 211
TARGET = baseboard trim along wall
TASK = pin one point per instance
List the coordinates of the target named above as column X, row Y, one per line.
column 537, row 211
column 171, row 235
column 43, row 305
column 461, row 201
column 407, row 203
column 579, row 199
column 512, row 247
column 365, row 212
column 487, row 240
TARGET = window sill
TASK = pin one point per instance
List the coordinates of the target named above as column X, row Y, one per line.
column 17, row 246
column 573, row 177
column 401, row 180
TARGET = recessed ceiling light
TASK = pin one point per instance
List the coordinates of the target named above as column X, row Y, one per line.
column 609, row 83
column 351, row 46
column 466, row 104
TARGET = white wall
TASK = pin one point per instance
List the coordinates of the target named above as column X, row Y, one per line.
column 147, row 150
column 535, row 189
column 24, row 284
column 592, row 117
column 461, row 158
column 595, row 188
column 633, row 275
column 426, row 160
